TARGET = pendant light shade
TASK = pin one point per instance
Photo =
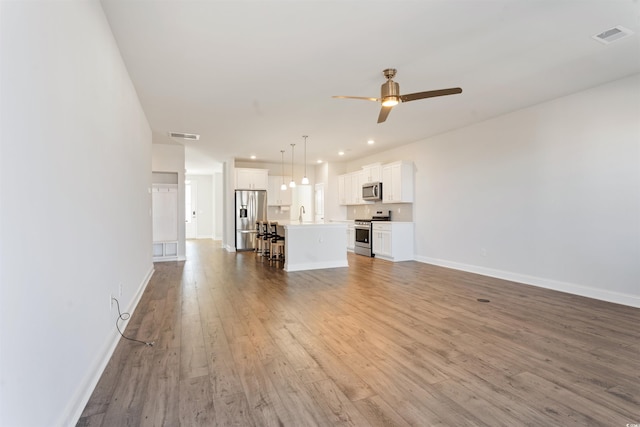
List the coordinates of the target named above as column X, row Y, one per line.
column 283, row 186
column 305, row 180
column 292, row 183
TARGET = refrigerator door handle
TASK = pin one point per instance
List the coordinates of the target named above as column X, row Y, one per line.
column 252, row 200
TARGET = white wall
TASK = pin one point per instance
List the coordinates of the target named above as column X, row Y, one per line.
column 169, row 157
column 548, row 195
column 228, row 194
column 218, row 205
column 75, row 173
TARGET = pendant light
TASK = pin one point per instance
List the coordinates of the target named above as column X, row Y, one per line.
column 292, row 183
column 305, row 180
column 283, row 186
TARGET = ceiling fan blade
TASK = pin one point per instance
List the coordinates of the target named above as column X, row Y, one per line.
column 384, row 112
column 430, row 94
column 356, row 97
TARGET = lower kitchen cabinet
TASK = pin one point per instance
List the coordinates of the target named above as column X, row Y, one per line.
column 392, row 241
column 351, row 237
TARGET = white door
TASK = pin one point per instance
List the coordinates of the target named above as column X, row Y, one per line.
column 191, row 209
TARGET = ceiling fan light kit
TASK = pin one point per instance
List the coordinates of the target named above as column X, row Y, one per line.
column 390, row 94
column 390, row 91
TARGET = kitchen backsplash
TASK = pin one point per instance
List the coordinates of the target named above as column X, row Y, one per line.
column 277, row 213
column 399, row 211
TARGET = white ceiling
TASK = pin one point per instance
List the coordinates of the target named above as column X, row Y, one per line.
column 253, row 77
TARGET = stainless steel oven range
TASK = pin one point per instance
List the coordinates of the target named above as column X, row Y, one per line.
column 363, row 234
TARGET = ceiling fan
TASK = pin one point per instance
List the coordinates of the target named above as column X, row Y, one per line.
column 390, row 94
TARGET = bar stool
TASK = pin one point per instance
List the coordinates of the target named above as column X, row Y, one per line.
column 266, row 238
column 258, row 239
column 276, row 246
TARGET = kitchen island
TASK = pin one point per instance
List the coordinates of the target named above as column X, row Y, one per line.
column 314, row 245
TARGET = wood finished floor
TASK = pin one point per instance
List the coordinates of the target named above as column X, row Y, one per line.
column 240, row 342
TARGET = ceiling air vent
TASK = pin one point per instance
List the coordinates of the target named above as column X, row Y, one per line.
column 613, row 34
column 189, row 136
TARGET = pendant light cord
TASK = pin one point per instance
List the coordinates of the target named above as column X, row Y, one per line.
column 305, row 155
column 293, row 182
column 282, row 154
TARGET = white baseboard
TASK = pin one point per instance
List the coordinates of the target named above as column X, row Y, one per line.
column 170, row 258
column 314, row 265
column 571, row 288
column 74, row 412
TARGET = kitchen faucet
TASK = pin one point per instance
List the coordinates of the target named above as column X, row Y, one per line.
column 302, row 211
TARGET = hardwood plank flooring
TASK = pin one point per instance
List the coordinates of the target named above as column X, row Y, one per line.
column 240, row 342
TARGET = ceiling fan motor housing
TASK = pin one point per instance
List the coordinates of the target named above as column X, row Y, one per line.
column 390, row 91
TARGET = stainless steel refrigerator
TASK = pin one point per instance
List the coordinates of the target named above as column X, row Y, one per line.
column 251, row 206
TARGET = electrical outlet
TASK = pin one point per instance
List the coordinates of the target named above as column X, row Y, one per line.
column 120, row 290
column 110, row 302
column 483, row 251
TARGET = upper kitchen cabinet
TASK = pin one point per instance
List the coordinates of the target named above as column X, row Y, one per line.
column 372, row 173
column 252, row 179
column 357, row 179
column 342, row 194
column 350, row 188
column 345, row 189
column 397, row 182
column 275, row 195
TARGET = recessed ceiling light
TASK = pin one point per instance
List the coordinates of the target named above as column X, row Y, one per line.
column 371, row 142
column 340, row 153
column 253, row 157
column 319, row 161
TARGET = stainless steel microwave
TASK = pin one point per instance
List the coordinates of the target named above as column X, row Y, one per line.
column 372, row 191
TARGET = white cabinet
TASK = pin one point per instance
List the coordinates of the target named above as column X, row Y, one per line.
column 351, row 237
column 372, row 173
column 346, row 187
column 357, row 179
column 275, row 195
column 381, row 241
column 396, row 178
column 350, row 188
column 165, row 251
column 252, row 179
column 392, row 240
column 397, row 182
column 342, row 189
